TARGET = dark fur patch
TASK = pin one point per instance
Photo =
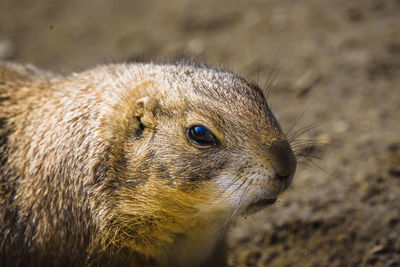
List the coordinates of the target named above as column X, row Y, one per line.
column 4, row 133
column 101, row 169
column 138, row 132
column 3, row 98
column 9, row 240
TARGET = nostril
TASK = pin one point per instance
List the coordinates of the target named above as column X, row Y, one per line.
column 282, row 168
column 282, row 177
column 284, row 164
column 283, row 160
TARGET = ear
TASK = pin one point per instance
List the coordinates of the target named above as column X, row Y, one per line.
column 131, row 117
column 144, row 111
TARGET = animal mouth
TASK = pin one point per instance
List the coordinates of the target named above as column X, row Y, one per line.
column 259, row 204
column 263, row 202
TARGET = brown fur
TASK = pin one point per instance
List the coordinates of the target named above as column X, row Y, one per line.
column 96, row 168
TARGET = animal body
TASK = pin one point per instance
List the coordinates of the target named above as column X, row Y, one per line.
column 131, row 164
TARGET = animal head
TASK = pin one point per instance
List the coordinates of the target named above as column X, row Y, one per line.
column 189, row 148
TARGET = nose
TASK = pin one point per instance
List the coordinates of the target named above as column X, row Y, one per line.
column 283, row 160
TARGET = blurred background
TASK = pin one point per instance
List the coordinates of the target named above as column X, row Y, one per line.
column 327, row 59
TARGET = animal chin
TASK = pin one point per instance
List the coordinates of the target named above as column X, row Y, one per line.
column 259, row 205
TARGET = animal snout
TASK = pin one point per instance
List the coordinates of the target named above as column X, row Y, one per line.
column 283, row 160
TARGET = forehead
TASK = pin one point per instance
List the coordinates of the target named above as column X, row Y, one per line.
column 214, row 86
column 224, row 98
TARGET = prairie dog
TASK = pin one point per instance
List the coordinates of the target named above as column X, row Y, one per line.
column 131, row 164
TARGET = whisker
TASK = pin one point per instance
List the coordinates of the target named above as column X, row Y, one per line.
column 270, row 82
column 306, row 146
column 307, row 156
column 310, row 162
column 226, row 188
column 240, row 202
column 296, row 121
column 305, row 141
column 234, row 191
column 230, row 219
column 293, row 136
column 235, row 212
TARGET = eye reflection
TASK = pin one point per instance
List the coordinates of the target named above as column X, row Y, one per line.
column 201, row 136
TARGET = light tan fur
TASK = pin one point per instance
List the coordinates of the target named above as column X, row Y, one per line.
column 97, row 169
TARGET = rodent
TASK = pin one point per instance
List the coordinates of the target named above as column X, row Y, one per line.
column 131, row 164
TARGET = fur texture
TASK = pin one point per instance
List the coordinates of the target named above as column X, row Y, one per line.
column 96, row 168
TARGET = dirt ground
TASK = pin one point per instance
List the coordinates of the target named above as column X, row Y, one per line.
column 334, row 63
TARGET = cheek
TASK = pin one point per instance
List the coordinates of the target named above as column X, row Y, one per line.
column 199, row 166
column 214, row 210
column 184, row 163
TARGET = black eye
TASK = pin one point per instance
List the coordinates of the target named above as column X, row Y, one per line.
column 201, row 136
